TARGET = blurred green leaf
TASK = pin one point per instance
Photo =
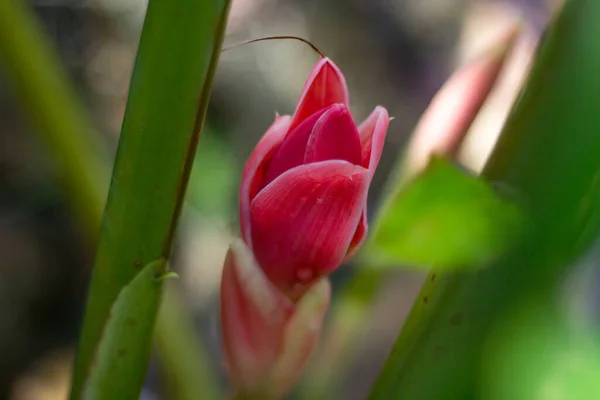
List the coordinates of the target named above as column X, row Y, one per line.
column 533, row 355
column 444, row 218
column 33, row 67
column 122, row 354
column 548, row 154
column 184, row 362
column 213, row 177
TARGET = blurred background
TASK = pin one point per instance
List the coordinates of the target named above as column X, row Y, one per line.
column 396, row 53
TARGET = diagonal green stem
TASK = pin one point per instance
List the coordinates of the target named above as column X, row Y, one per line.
column 170, row 88
column 183, row 360
column 343, row 333
column 38, row 77
column 548, row 153
column 50, row 99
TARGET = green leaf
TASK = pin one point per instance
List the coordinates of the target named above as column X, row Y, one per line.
column 213, row 178
column 443, row 219
column 533, row 355
column 548, row 154
column 120, row 364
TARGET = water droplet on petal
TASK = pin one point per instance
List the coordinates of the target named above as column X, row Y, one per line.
column 304, row 274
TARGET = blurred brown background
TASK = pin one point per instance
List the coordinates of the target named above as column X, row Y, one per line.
column 396, row 53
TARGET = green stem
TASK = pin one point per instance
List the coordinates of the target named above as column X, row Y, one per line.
column 183, row 362
column 343, row 333
column 170, row 87
column 548, row 153
column 34, row 68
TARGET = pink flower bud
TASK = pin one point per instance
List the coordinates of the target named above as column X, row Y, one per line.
column 267, row 338
column 446, row 121
column 304, row 189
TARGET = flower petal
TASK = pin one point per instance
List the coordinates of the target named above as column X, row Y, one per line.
column 325, row 86
column 334, row 137
column 254, row 316
column 372, row 137
column 359, row 236
column 290, row 153
column 446, row 121
column 303, row 221
column 255, row 169
column 302, row 334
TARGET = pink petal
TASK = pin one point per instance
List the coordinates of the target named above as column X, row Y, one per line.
column 325, row 86
column 446, row 121
column 334, row 137
column 359, row 236
column 303, row 221
column 255, row 170
column 254, row 316
column 302, row 334
column 290, row 153
column 372, row 137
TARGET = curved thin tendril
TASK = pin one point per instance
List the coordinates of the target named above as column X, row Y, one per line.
column 312, row 46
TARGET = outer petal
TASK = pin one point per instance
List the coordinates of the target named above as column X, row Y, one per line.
column 303, row 221
column 255, row 170
column 334, row 137
column 446, row 121
column 372, row 137
column 301, row 336
column 254, row 316
column 325, row 86
column 359, row 236
column 290, row 153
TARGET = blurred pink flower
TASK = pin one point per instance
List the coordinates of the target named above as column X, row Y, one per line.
column 445, row 123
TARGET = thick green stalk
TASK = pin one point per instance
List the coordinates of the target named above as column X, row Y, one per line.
column 170, row 87
column 48, row 96
column 548, row 154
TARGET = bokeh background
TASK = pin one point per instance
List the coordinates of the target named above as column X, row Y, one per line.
column 396, row 53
